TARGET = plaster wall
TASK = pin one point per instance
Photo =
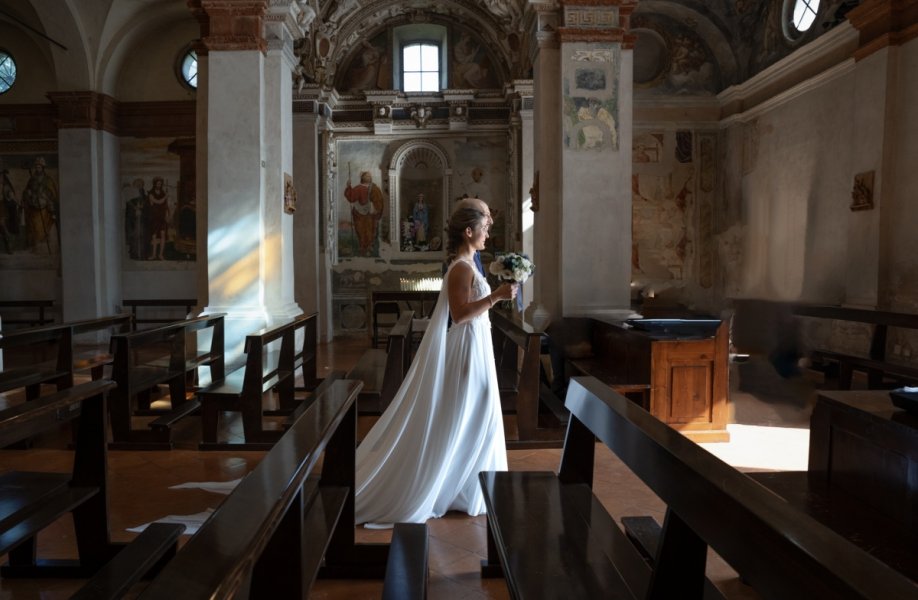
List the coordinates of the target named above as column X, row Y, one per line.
column 34, row 70
column 899, row 233
column 151, row 71
column 795, row 193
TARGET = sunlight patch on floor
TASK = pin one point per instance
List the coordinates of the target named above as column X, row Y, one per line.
column 763, row 447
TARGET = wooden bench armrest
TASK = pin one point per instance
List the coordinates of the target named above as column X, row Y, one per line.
column 406, row 568
column 156, row 542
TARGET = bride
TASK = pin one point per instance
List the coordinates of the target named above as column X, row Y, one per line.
column 444, row 426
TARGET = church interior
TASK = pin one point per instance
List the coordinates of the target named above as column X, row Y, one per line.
column 714, row 196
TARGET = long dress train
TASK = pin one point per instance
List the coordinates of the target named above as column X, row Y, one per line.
column 444, row 426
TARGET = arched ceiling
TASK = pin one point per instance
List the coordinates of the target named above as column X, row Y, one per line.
column 734, row 38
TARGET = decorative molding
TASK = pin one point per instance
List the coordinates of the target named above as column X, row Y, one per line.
column 28, row 122
column 568, row 35
column 84, row 110
column 807, row 67
column 157, row 119
column 882, row 23
column 28, row 146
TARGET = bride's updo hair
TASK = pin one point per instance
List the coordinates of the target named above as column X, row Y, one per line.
column 461, row 218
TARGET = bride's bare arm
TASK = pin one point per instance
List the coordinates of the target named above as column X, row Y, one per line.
column 459, row 288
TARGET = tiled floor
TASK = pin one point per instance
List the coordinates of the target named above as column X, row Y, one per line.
column 771, row 415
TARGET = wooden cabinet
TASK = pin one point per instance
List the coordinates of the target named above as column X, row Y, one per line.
column 686, row 372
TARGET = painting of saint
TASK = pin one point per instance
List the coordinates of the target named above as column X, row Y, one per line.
column 471, row 66
column 366, row 200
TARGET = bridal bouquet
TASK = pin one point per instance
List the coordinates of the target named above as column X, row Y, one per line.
column 513, row 267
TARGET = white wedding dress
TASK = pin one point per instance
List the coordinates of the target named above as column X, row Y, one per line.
column 444, row 426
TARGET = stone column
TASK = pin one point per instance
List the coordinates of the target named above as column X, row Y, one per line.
column 90, row 213
column 546, row 200
column 281, row 28
column 249, row 249
column 523, row 140
column 309, row 243
column 595, row 149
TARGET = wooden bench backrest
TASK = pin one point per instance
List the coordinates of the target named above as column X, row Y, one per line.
column 136, row 348
column 398, row 354
column 513, row 337
column 58, row 340
column 261, row 365
column 306, row 356
column 26, row 419
column 221, row 557
column 780, row 552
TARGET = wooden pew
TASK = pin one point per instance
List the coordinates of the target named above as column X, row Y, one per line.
column 12, row 313
column 31, row 501
column 784, row 331
column 52, row 354
column 283, row 526
column 305, row 359
column 578, row 551
column 152, row 357
column 187, row 304
column 874, row 363
column 860, row 481
column 266, row 368
column 382, row 371
column 517, row 348
column 422, row 302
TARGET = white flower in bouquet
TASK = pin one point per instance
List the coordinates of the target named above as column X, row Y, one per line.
column 512, row 267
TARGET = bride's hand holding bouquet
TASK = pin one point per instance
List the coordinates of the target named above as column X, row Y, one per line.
column 514, row 268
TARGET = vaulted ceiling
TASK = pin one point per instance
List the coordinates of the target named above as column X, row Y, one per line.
column 683, row 46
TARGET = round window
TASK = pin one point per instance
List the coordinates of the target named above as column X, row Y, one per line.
column 799, row 16
column 7, row 71
column 189, row 68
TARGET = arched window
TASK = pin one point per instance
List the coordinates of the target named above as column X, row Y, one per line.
column 419, row 57
column 188, row 68
column 7, row 71
column 421, row 68
column 799, row 16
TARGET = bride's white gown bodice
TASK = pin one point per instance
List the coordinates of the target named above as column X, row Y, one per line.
column 444, row 426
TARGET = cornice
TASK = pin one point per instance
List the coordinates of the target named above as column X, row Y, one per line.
column 882, row 23
column 85, row 110
column 232, row 24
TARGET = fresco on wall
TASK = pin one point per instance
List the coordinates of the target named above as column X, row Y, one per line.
column 30, row 211
column 590, row 97
column 673, row 59
column 470, row 64
column 362, row 199
column 159, row 229
column 647, row 148
column 369, row 68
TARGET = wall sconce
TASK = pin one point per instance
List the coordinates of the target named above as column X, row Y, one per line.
column 420, row 114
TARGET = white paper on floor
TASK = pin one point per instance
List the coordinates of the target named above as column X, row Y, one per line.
column 191, row 522
column 217, row 487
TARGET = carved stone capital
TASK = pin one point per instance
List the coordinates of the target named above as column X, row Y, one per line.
column 231, row 24
column 85, row 110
